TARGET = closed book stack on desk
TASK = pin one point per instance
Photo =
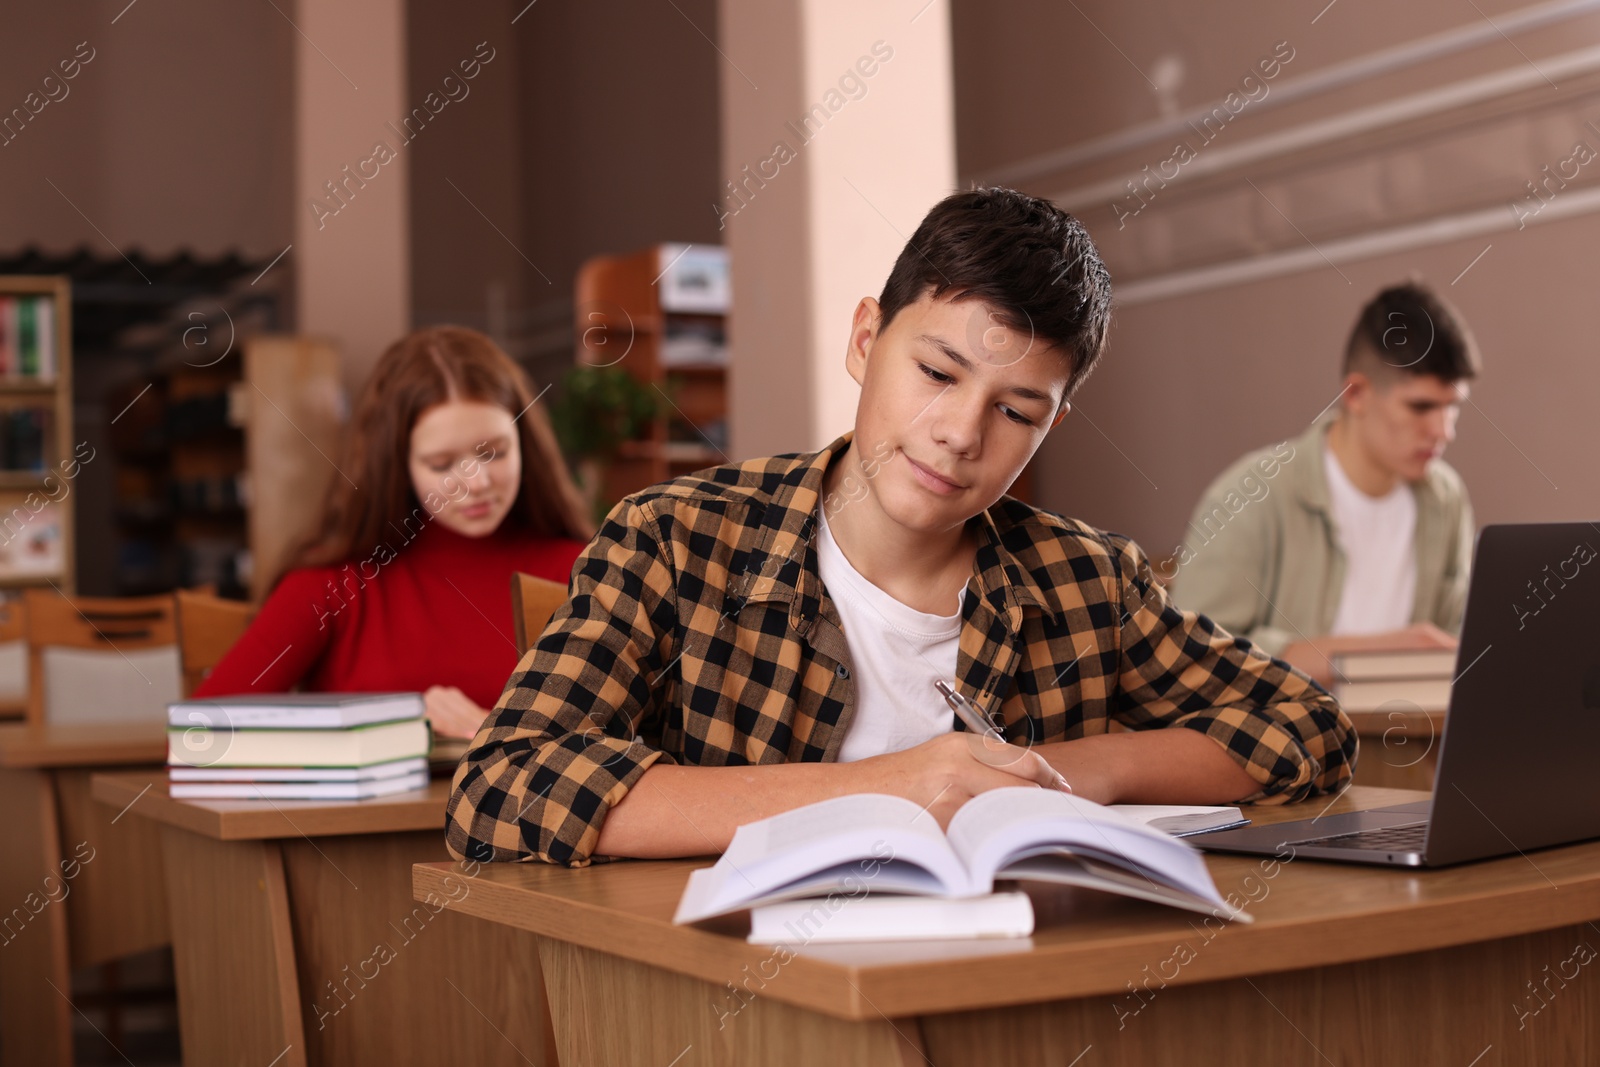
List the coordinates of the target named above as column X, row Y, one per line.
column 297, row 746
column 1415, row 678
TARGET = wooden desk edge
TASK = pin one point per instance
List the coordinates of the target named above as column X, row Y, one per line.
column 1076, row 970
column 24, row 747
column 406, row 813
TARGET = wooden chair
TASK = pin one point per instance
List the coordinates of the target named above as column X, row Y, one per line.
column 208, row 625
column 100, row 659
column 533, row 601
column 13, row 660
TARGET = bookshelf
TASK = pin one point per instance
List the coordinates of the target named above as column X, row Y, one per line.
column 38, row 460
column 660, row 314
column 220, row 467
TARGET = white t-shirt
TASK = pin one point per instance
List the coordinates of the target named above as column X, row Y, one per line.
column 898, row 652
column 1378, row 535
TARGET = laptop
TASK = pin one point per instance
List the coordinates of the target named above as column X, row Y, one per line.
column 1516, row 763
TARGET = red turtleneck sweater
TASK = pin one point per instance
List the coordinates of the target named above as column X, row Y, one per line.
column 437, row 613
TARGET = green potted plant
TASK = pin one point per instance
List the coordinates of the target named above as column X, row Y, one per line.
column 599, row 409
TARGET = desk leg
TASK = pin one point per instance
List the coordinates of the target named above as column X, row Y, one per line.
column 385, row 979
column 118, row 905
column 233, row 951
column 35, row 1020
column 609, row 1010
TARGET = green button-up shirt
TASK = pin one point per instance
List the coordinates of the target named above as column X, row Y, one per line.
column 1262, row 555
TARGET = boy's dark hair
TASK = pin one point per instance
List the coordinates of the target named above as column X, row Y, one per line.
column 1409, row 329
column 1031, row 262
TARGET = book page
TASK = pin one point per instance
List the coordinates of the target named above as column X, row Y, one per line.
column 854, row 844
column 1004, row 825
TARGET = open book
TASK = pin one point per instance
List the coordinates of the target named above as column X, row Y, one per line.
column 872, row 843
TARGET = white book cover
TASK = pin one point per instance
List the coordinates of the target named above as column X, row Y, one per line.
column 890, row 918
column 1425, row 694
column 1395, row 663
column 357, row 746
column 378, row 771
column 295, row 711
column 296, row 790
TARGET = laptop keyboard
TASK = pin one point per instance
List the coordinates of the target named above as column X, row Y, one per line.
column 1408, row 838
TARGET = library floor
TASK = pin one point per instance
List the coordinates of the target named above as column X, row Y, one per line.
column 142, row 1028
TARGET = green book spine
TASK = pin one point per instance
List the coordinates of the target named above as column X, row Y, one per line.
column 28, row 337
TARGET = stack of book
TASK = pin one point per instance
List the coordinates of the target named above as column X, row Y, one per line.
column 1415, row 679
column 297, row 746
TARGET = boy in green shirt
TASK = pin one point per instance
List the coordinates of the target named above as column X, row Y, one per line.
column 1355, row 535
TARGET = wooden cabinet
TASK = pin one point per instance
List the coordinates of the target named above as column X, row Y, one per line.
column 660, row 314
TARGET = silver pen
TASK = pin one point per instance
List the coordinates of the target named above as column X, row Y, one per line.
column 978, row 722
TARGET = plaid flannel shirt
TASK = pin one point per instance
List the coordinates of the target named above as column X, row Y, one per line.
column 698, row 631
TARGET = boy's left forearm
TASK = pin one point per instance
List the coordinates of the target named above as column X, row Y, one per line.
column 1175, row 766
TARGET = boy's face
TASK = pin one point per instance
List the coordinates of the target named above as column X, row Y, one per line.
column 961, row 401
column 1405, row 425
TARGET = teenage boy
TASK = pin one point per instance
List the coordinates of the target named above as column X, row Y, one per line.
column 763, row 635
column 1363, row 536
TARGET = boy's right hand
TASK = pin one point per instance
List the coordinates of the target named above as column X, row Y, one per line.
column 944, row 773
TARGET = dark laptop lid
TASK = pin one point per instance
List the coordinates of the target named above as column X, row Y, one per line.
column 1517, row 762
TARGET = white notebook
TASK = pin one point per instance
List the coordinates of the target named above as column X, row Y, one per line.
column 819, row 920
column 381, row 787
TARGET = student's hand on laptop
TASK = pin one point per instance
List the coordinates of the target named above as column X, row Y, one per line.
column 1313, row 656
column 452, row 712
column 946, row 772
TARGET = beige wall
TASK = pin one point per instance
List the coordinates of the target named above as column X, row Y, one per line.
column 177, row 134
column 593, row 131
column 352, row 235
column 838, row 138
column 1192, row 381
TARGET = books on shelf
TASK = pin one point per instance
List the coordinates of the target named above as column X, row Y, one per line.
column 24, row 433
column 36, row 545
column 27, row 337
column 298, row 746
column 693, row 279
column 872, row 845
column 1368, row 681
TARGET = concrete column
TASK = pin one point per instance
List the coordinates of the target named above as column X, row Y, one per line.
column 838, row 134
column 351, row 253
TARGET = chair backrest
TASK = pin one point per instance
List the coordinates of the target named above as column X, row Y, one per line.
column 533, row 601
column 100, row 659
column 13, row 659
column 208, row 625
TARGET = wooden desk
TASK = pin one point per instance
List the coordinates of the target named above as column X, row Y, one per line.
column 295, row 939
column 1344, row 965
column 104, row 897
column 1399, row 749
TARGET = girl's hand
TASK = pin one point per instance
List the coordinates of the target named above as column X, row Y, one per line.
column 451, row 713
